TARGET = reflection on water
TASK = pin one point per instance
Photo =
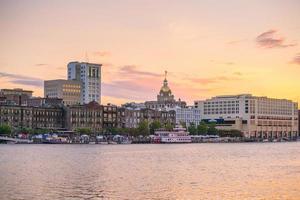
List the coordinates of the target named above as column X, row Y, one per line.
column 182, row 171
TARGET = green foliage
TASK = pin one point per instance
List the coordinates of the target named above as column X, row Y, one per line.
column 192, row 129
column 143, row 128
column 84, row 131
column 5, row 129
column 154, row 125
column 183, row 124
column 212, row 129
column 202, row 128
column 168, row 126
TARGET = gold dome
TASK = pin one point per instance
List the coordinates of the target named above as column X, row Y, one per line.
column 165, row 88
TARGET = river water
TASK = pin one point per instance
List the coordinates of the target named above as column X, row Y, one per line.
column 151, row 171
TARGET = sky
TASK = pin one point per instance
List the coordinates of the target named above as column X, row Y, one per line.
column 208, row 47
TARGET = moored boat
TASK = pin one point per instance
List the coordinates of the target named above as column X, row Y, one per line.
column 177, row 135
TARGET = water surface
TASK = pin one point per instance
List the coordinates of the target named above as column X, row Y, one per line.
column 151, row 171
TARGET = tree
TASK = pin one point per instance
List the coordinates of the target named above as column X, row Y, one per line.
column 192, row 129
column 84, row 131
column 202, row 128
column 5, row 129
column 154, row 125
column 183, row 124
column 168, row 126
column 143, row 128
column 212, row 129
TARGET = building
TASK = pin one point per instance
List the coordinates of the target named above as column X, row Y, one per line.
column 44, row 102
column 256, row 117
column 134, row 105
column 298, row 122
column 90, row 76
column 189, row 115
column 163, row 116
column 67, row 90
column 110, row 113
column 84, row 116
column 129, row 117
column 31, row 117
column 165, row 99
column 16, row 96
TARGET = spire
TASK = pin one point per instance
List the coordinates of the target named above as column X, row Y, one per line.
column 165, row 81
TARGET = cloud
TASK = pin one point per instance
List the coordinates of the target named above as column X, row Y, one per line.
column 206, row 81
column 132, row 70
column 22, row 80
column 271, row 39
column 234, row 42
column 102, row 53
column 296, row 59
column 36, row 83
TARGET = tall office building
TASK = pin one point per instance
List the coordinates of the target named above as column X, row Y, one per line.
column 90, row 76
column 67, row 90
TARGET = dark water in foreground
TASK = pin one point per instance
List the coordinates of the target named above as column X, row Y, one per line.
column 186, row 171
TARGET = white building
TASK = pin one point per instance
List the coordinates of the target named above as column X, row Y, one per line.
column 258, row 117
column 67, row 90
column 90, row 76
column 188, row 115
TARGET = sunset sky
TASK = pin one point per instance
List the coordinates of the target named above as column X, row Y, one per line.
column 209, row 47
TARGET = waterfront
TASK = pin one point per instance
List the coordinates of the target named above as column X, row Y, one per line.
column 153, row 171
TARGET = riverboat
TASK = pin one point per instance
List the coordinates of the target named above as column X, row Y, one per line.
column 177, row 135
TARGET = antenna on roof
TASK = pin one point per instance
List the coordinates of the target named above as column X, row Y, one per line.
column 86, row 57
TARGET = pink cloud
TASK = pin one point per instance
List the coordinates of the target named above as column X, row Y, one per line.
column 271, row 39
column 296, row 59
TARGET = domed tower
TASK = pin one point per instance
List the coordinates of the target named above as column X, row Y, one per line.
column 165, row 93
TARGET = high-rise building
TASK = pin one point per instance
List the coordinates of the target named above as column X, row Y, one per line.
column 67, row 90
column 256, row 117
column 90, row 76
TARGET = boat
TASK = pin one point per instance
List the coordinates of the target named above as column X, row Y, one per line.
column 126, row 142
column 177, row 135
column 121, row 139
column 103, row 143
column 54, row 139
column 112, row 142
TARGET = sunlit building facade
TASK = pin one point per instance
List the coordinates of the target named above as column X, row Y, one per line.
column 256, row 117
column 189, row 115
column 90, row 76
column 67, row 90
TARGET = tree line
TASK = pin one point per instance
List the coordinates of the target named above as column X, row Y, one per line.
column 144, row 128
column 210, row 129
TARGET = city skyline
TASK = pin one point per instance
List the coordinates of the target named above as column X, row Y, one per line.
column 204, row 53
